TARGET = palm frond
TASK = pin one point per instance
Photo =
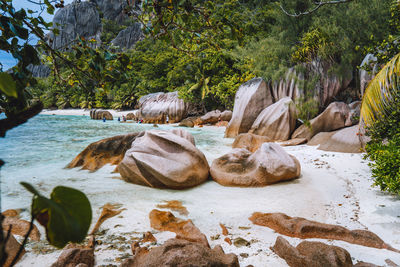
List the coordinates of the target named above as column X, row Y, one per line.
column 381, row 91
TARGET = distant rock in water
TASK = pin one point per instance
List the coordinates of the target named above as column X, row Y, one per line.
column 251, row 98
column 164, row 159
column 128, row 37
column 99, row 114
column 269, row 164
column 78, row 19
column 155, row 107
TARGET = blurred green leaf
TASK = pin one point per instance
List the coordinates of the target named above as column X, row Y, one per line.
column 8, row 85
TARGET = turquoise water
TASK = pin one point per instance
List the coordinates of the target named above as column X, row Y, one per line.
column 38, row 151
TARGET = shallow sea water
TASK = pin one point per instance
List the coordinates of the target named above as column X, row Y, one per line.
column 37, row 152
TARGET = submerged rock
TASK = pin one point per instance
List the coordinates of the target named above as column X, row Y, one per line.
column 345, row 140
column 312, row 254
column 334, row 117
column 269, row 164
column 189, row 122
column 184, row 229
column 182, row 253
column 251, row 98
column 164, row 160
column 276, row 121
column 155, row 107
column 303, row 228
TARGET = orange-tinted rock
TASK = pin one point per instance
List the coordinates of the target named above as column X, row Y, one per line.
column 224, row 230
column 106, row 151
column 228, row 240
column 148, row 237
column 12, row 247
column 20, row 227
column 276, row 121
column 250, row 141
column 250, row 99
column 74, row 256
column 332, row 118
column 182, row 253
column 312, row 254
column 11, row 213
column 163, row 159
column 269, row 164
column 108, row 211
column 303, row 228
column 174, row 205
column 166, row 221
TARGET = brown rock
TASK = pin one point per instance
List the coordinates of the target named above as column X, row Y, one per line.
column 166, row 221
column 224, row 230
column 98, row 114
column 11, row 213
column 75, row 256
column 148, row 237
column 344, row 140
column 251, row 98
column 354, row 115
column 189, row 122
column 210, row 117
column 222, row 124
column 20, row 227
column 312, row 254
column 269, row 164
column 174, row 205
column 133, row 115
column 277, row 121
column 334, row 117
column 303, row 228
column 226, row 115
column 182, row 253
column 293, row 142
column 228, row 240
column 184, row 134
column 155, row 107
column 250, row 141
column 164, row 160
column 108, row 211
column 12, row 247
column 106, row 151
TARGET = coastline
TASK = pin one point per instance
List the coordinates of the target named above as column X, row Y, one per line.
column 81, row 112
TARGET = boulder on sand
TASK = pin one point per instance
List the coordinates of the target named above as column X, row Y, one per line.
column 276, row 121
column 345, row 140
column 181, row 253
column 12, row 247
column 99, row 114
column 312, row 254
column 269, row 164
column 334, row 117
column 251, row 98
column 155, row 107
column 250, row 141
column 164, row 160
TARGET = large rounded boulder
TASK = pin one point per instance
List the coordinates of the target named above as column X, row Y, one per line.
column 99, row 114
column 276, row 121
column 251, row 142
column 333, row 118
column 269, row 164
column 251, row 98
column 164, row 159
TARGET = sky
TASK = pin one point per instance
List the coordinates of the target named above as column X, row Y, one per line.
column 6, row 59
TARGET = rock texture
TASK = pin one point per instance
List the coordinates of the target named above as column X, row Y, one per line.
column 166, row 221
column 345, row 140
column 312, row 254
column 20, row 227
column 111, row 9
column 106, row 151
column 334, row 117
column 128, row 37
column 251, row 98
column 354, row 116
column 303, row 228
column 39, row 71
column 210, row 117
column 99, row 114
column 155, row 107
column 250, row 141
column 269, row 164
column 164, row 160
column 366, row 77
column 189, row 122
column 226, row 115
column 75, row 256
column 276, row 121
column 293, row 142
column 133, row 115
column 12, row 247
column 182, row 253
column 78, row 19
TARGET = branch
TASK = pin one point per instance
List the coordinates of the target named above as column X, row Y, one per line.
column 21, row 247
column 317, row 6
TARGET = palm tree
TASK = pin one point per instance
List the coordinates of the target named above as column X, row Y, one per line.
column 381, row 92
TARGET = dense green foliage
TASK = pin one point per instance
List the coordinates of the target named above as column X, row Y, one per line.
column 206, row 49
